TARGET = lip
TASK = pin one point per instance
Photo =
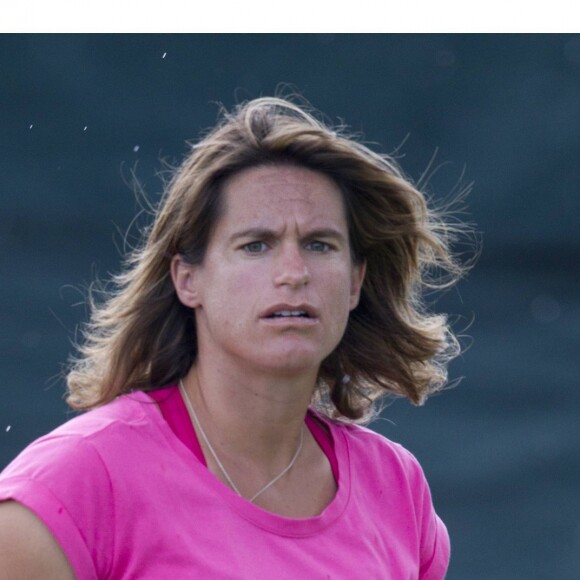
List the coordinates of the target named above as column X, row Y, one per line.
column 311, row 311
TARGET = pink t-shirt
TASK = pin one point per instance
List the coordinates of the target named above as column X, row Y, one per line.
column 126, row 498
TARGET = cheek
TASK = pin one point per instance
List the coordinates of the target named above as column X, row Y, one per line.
column 230, row 295
column 224, row 279
column 338, row 283
column 337, row 295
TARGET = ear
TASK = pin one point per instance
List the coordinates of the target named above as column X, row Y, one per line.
column 184, row 276
column 356, row 282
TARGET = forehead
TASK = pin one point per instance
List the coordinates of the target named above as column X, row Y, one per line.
column 276, row 192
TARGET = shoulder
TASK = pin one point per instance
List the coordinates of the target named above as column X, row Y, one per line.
column 126, row 412
column 78, row 451
column 379, row 467
column 374, row 449
column 68, row 477
column 385, row 469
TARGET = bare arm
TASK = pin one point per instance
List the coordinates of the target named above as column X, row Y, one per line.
column 27, row 549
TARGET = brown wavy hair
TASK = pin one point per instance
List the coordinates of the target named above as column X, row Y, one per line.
column 140, row 336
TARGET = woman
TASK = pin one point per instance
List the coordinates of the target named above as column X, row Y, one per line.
column 276, row 298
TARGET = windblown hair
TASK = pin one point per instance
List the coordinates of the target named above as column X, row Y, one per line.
column 140, row 337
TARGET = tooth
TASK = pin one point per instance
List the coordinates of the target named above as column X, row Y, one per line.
column 290, row 313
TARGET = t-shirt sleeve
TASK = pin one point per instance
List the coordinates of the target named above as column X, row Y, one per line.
column 434, row 538
column 63, row 480
column 435, row 546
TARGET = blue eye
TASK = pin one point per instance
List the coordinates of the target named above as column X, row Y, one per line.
column 318, row 246
column 255, row 247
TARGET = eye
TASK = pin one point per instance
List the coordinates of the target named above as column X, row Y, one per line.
column 317, row 246
column 254, row 247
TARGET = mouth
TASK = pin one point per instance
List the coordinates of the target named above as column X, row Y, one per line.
column 289, row 313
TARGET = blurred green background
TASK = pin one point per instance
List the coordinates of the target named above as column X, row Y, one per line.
column 79, row 114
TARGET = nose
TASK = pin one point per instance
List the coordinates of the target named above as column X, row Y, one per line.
column 290, row 268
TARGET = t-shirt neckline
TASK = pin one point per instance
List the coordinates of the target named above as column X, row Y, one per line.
column 274, row 523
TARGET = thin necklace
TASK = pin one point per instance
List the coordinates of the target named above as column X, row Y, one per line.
column 220, row 464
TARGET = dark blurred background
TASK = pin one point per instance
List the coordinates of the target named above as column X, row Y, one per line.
column 80, row 113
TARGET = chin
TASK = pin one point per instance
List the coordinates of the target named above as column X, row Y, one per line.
column 293, row 362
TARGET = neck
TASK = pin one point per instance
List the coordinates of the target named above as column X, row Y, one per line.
column 252, row 417
column 255, row 425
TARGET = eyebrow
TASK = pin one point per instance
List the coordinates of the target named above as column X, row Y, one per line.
column 268, row 234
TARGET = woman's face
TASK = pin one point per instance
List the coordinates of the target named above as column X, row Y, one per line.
column 277, row 282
